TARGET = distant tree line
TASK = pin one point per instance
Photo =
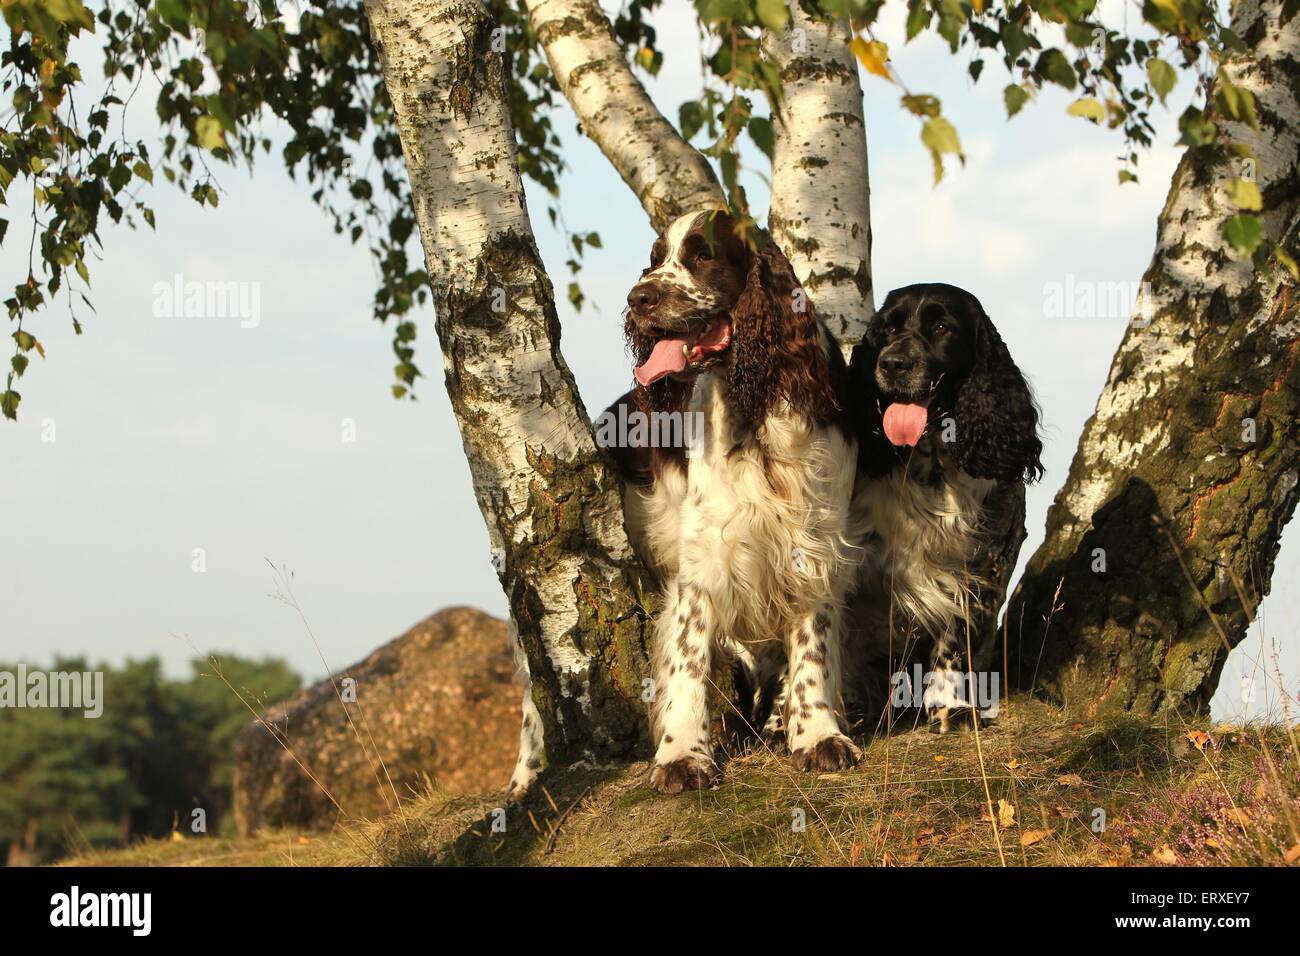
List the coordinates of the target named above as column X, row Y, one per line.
column 161, row 750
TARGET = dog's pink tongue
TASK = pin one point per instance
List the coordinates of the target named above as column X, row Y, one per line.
column 669, row 356
column 905, row 423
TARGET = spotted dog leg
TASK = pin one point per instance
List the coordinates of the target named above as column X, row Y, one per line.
column 947, row 696
column 680, row 715
column 531, row 750
column 813, row 723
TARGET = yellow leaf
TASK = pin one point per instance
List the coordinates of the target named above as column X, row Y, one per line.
column 1030, row 837
column 1088, row 108
column 1284, row 257
column 939, row 758
column 1069, row 780
column 208, row 131
column 1292, row 854
column 873, row 55
column 1012, row 764
column 1200, row 739
column 1005, row 814
column 1245, row 194
column 1164, row 853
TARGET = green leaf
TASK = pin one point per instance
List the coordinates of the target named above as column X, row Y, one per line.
column 690, row 117
column 773, row 14
column 1127, row 176
column 9, row 400
column 921, row 104
column 1245, row 194
column 143, row 170
column 19, row 363
column 761, row 132
column 1088, row 108
column 918, row 15
column 1197, row 128
column 1243, row 233
column 1052, row 65
column 1015, row 96
column 940, row 137
column 1236, row 102
column 1162, row 77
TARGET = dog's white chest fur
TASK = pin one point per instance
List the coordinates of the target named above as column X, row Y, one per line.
column 918, row 540
column 755, row 520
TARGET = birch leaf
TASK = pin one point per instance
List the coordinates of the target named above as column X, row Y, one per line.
column 873, row 55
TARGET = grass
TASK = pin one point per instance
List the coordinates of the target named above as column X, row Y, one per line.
column 1053, row 791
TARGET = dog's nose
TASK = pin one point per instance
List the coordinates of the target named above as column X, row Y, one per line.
column 643, row 297
column 897, row 362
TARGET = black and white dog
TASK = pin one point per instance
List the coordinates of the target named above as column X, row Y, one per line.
column 948, row 436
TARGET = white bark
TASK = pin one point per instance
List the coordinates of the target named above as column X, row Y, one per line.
column 549, row 505
column 668, row 175
column 1187, row 472
column 1192, row 264
column 820, row 214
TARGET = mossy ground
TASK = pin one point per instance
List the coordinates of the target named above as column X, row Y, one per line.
column 1037, row 788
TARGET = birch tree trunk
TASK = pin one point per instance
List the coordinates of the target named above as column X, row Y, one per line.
column 552, row 507
column 668, row 175
column 821, row 211
column 1161, row 543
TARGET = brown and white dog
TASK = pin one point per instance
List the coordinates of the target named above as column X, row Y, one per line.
column 746, row 529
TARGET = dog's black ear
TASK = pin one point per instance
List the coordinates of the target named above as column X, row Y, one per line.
column 995, row 413
column 862, row 399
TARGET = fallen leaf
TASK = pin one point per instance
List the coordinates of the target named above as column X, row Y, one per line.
column 1069, row 780
column 1239, row 817
column 1012, row 764
column 1030, row 837
column 1200, row 739
column 1006, row 814
column 1212, row 843
column 1292, row 854
column 939, row 758
column 855, row 853
column 1164, row 853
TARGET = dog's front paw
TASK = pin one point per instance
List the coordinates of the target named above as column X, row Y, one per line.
column 947, row 720
column 694, row 771
column 828, row 754
column 520, row 784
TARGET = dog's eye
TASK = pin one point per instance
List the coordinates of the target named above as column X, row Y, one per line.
column 942, row 328
column 704, row 255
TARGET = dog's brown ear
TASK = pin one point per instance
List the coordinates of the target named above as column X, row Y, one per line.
column 780, row 354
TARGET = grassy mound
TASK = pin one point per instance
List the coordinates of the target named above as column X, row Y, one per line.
column 1037, row 788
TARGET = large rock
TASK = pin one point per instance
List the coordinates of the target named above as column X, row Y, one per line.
column 439, row 704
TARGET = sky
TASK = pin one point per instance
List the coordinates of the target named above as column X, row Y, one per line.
column 192, row 457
